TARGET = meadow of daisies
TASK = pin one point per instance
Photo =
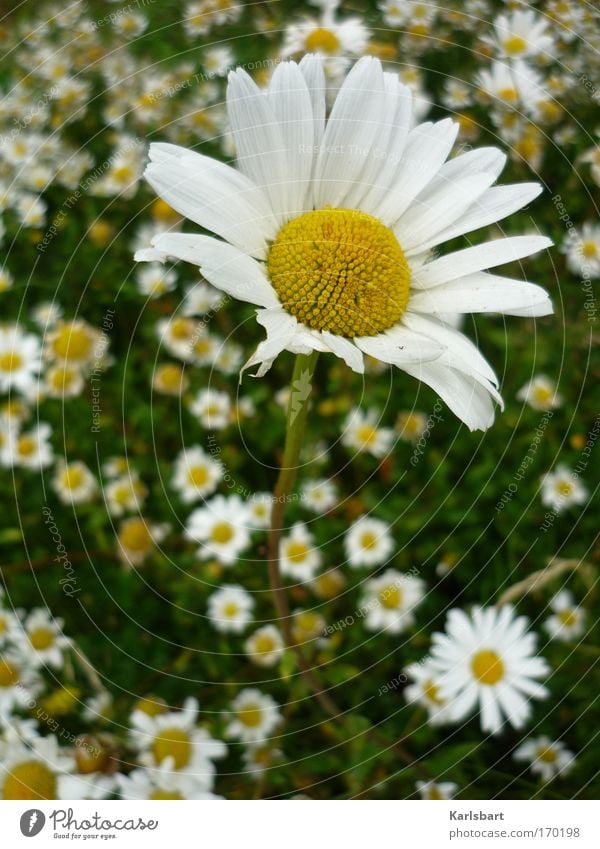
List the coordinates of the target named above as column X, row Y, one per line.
column 412, row 616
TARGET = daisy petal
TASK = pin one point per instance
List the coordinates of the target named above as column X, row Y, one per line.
column 227, row 268
column 477, row 258
column 213, row 195
column 351, row 132
column 482, row 293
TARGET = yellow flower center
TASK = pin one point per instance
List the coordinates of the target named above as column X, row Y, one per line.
column 589, row 249
column 61, row 378
column 434, row 794
column 181, row 328
column 297, row 551
column 198, row 475
column 250, row 715
column 73, row 478
column 165, row 794
column 41, row 638
column 175, row 743
column 390, row 597
column 3, row 624
column 431, row 691
column 323, row 40
column 9, row 674
column 367, row 434
column 30, row 780
column 508, row 94
column 230, row 609
column 72, row 343
column 547, row 754
column 542, row 394
column 10, row 361
column 567, row 617
column 368, row 540
column 487, row 667
column 170, row 378
column 340, row 270
column 564, row 488
column 135, row 536
column 263, row 644
column 514, row 45
column 222, row 533
column 26, row 446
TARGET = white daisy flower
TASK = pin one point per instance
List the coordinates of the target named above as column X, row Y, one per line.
column 161, row 783
column 265, row 646
column 98, row 708
column 259, row 506
column 540, row 393
column 326, row 36
column 196, row 474
column 568, row 619
column 125, row 494
column 513, row 85
column 255, row 716
column 368, row 542
column 137, row 539
column 562, row 489
column 74, row 342
column 63, row 381
column 583, row 251
column 425, row 691
column 46, row 314
column 213, row 409
column 434, row 790
column 486, row 660
column 221, row 528
column 298, row 558
column 411, row 425
column 153, row 280
column 45, row 642
column 35, row 768
column 547, row 758
column 389, row 601
column 230, row 608
column 200, row 299
column 19, row 360
column 522, row 34
column 6, row 278
column 367, row 196
column 178, row 335
column 319, row 496
column 19, row 681
column 217, row 60
column 174, row 740
column 30, row 450
column 362, row 433
column 74, row 483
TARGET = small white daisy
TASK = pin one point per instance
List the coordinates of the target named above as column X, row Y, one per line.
column 540, row 393
column 368, row 542
column 389, row 601
column 562, row 489
column 230, row 608
column 583, row 251
column 486, row 660
column 425, row 691
column 212, row 408
column 196, row 474
column 547, row 758
column 265, row 646
column 363, row 434
column 298, row 558
column 45, row 642
column 154, row 280
column 434, row 790
column 221, row 528
column 319, row 496
column 260, row 507
column 19, row 360
column 254, row 716
column 74, row 483
column 521, row 34
column 568, row 619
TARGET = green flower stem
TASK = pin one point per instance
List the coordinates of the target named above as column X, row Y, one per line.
column 300, row 390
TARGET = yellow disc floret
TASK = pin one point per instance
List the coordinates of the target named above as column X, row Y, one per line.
column 340, row 270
